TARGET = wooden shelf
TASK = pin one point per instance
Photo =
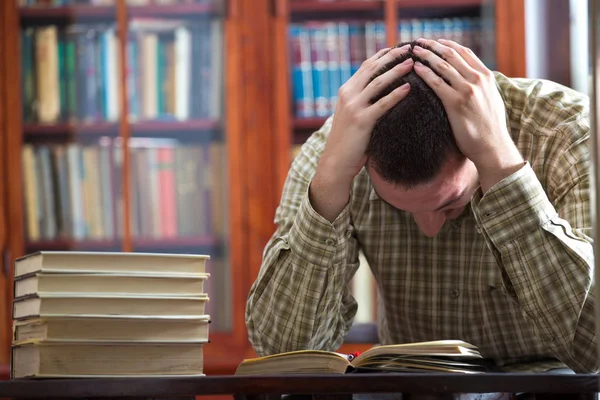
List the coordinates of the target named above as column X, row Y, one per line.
column 69, row 244
column 304, row 127
column 32, row 14
column 301, row 124
column 142, row 244
column 138, row 244
column 69, row 129
column 316, row 6
column 345, row 6
column 106, row 128
column 440, row 3
column 175, row 10
column 194, row 125
column 74, row 12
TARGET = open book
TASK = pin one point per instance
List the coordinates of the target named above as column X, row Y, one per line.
column 436, row 356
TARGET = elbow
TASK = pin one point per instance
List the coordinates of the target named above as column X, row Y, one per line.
column 581, row 358
column 256, row 336
column 587, row 365
column 267, row 333
column 591, row 368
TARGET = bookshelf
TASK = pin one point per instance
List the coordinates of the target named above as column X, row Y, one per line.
column 111, row 130
column 255, row 138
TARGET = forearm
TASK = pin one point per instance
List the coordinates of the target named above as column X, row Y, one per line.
column 548, row 269
column 300, row 298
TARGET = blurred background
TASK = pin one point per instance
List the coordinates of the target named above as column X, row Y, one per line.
column 169, row 125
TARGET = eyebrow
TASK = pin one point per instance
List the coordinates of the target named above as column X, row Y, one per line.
column 454, row 200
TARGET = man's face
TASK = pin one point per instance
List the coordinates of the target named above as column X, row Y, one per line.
column 433, row 203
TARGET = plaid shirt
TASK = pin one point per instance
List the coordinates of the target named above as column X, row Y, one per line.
column 512, row 275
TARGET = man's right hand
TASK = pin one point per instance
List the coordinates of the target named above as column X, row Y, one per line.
column 354, row 119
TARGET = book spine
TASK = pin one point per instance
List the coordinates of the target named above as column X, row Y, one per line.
column 333, row 63
column 344, row 49
column 319, row 69
column 357, row 46
column 183, row 49
column 168, row 211
column 71, row 74
column 301, row 71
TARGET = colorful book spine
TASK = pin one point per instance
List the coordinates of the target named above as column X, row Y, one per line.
column 333, row 63
column 301, row 71
column 344, row 48
column 357, row 42
column 320, row 74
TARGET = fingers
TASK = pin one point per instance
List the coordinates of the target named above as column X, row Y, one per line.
column 384, row 80
column 441, row 66
column 435, row 82
column 466, row 54
column 378, row 54
column 449, row 63
column 384, row 104
column 373, row 65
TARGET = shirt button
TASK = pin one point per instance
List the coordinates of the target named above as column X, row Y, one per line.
column 348, row 234
column 455, row 293
column 330, row 242
column 478, row 230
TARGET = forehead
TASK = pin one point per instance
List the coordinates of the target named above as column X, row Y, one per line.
column 447, row 185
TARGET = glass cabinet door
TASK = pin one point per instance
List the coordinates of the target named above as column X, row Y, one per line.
column 73, row 157
column 177, row 159
column 70, row 107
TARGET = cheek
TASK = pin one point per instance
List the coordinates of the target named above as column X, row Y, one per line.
column 455, row 212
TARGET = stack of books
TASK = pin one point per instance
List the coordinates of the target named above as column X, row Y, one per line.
column 92, row 314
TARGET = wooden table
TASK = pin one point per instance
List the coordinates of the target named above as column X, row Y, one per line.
column 333, row 386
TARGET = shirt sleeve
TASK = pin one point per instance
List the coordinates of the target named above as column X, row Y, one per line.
column 545, row 255
column 300, row 299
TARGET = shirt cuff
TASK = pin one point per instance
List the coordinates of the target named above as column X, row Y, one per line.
column 513, row 207
column 317, row 239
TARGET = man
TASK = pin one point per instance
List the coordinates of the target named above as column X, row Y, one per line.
column 468, row 193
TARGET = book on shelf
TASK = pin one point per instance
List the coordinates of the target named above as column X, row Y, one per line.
column 71, row 73
column 324, row 54
column 72, row 191
column 78, row 314
column 433, row 356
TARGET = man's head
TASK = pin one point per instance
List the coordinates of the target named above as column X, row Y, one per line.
column 413, row 160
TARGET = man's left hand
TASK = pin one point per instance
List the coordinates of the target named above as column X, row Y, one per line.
column 474, row 106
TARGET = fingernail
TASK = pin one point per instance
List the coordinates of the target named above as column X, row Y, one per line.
column 407, row 61
column 418, row 64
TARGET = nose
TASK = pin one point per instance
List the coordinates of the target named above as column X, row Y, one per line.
column 430, row 223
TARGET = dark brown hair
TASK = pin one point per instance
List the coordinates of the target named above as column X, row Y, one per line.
column 412, row 141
